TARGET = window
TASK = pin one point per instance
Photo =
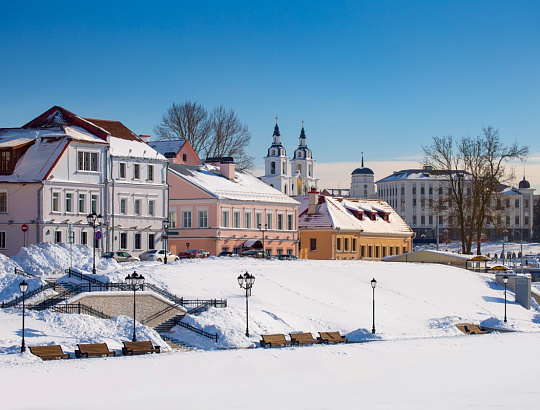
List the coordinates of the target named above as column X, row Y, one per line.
column 172, row 219
column 430, row 191
column 236, row 219
column 441, row 219
column 136, row 171
column 123, row 206
column 203, row 219
column 272, row 167
column 258, row 221
column 414, row 219
column 5, row 161
column 526, row 203
column 422, row 220
column 123, row 240
column 69, row 202
column 517, row 220
column 431, row 219
column 151, row 207
column 338, row 244
column 414, row 202
column 87, row 161
column 82, row 203
column 186, row 219
column 290, row 223
column 184, row 157
column 247, row 220
column 354, row 244
column 56, row 202
column 57, row 236
column 414, row 190
column 84, row 238
column 137, row 207
column 362, row 251
column 122, row 170
column 151, row 239
column 313, row 244
column 440, row 191
column 422, row 191
column 3, row 201
column 517, row 203
column 280, row 222
column 526, row 220
column 150, row 173
column 225, row 218
column 402, row 190
column 94, row 201
column 269, row 221
column 507, row 219
column 138, row 241
column 346, row 244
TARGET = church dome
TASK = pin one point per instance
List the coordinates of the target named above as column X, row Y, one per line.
column 363, row 171
column 524, row 184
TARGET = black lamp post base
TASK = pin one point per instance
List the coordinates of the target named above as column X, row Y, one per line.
column 23, row 348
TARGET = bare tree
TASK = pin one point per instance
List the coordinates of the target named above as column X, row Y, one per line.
column 474, row 169
column 187, row 121
column 229, row 138
column 216, row 135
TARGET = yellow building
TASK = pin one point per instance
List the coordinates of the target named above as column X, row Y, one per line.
column 346, row 228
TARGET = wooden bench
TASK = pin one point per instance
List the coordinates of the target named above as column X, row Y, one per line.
column 470, row 329
column 331, row 337
column 143, row 347
column 302, row 339
column 274, row 340
column 93, row 349
column 49, row 352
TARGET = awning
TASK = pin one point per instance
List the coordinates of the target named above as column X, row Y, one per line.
column 253, row 244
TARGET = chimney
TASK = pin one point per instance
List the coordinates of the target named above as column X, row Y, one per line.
column 145, row 138
column 313, row 200
column 226, row 167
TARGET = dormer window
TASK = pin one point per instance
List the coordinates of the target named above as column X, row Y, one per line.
column 9, row 157
column 5, row 161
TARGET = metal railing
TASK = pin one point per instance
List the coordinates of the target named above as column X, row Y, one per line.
column 201, row 332
column 80, row 308
column 15, row 301
column 23, row 273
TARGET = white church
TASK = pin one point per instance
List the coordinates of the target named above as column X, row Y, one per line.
column 292, row 177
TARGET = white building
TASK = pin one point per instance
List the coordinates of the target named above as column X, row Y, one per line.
column 292, row 177
column 420, row 197
column 59, row 168
column 363, row 182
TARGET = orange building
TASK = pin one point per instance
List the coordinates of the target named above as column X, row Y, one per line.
column 345, row 228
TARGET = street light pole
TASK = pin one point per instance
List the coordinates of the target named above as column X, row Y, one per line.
column 94, row 221
column 246, row 282
column 505, row 281
column 134, row 280
column 263, row 228
column 373, row 286
column 23, row 286
column 504, row 240
column 165, row 239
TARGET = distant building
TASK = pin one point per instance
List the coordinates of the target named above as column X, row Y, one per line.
column 421, row 198
column 60, row 167
column 219, row 209
column 176, row 151
column 343, row 228
column 292, row 177
column 363, row 182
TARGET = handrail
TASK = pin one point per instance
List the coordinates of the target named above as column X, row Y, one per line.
column 165, row 293
column 80, row 308
column 201, row 332
column 15, row 301
column 23, row 273
column 80, row 275
column 160, row 313
column 198, row 309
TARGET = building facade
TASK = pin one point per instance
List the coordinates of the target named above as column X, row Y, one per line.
column 217, row 208
column 63, row 167
column 291, row 177
column 363, row 182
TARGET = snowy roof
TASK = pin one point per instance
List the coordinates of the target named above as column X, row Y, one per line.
column 337, row 213
column 418, row 174
column 423, row 254
column 164, row 147
column 132, row 148
column 244, row 187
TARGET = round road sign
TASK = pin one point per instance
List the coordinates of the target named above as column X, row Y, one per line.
column 98, row 235
column 24, row 227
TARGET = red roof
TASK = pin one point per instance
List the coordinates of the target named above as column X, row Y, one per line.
column 115, row 128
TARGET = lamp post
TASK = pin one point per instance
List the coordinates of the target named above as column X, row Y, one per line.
column 134, row 280
column 94, row 221
column 373, row 286
column 504, row 240
column 505, row 281
column 165, row 238
column 521, row 246
column 263, row 229
column 23, row 286
column 246, row 282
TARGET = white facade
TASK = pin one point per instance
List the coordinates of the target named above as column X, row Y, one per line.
column 416, row 194
column 70, row 168
column 291, row 177
column 362, row 182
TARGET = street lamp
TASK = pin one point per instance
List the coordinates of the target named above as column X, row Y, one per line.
column 94, row 221
column 521, row 242
column 505, row 232
column 505, row 281
column 373, row 286
column 246, row 282
column 135, row 280
column 263, row 228
column 23, row 286
column 165, row 238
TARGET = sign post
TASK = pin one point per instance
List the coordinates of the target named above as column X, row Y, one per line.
column 24, row 228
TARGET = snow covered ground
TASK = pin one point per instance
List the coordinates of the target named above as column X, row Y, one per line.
column 416, row 359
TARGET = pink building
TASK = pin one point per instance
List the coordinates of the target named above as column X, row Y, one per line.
column 176, row 151
column 216, row 208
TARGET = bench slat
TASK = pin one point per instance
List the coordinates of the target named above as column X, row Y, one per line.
column 142, row 347
column 49, row 352
column 93, row 349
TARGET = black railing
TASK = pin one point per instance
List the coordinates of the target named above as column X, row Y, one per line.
column 15, row 301
column 198, row 309
column 72, row 272
column 201, row 332
column 160, row 313
column 218, row 303
column 79, row 308
column 23, row 273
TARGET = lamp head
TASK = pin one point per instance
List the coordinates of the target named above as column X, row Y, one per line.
column 373, row 283
column 505, row 279
column 23, row 286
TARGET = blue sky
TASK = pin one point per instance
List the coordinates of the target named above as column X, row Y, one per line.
column 381, row 77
